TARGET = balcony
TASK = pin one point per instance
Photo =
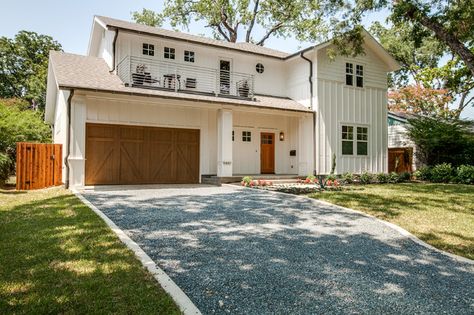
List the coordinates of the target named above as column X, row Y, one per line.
column 170, row 76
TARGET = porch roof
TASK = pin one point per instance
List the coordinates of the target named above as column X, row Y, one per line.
column 89, row 73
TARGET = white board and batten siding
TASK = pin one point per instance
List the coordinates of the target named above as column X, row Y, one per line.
column 337, row 104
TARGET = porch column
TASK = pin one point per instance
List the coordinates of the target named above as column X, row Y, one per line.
column 224, row 143
column 305, row 145
column 76, row 158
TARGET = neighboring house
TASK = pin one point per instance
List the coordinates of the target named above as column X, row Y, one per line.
column 399, row 145
column 149, row 105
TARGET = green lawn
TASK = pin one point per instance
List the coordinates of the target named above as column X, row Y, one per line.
column 439, row 214
column 57, row 256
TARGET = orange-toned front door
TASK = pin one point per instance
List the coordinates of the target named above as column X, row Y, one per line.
column 267, row 153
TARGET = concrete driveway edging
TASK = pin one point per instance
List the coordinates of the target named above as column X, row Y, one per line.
column 397, row 228
column 184, row 303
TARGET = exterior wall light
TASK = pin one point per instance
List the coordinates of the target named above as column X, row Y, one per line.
column 282, row 136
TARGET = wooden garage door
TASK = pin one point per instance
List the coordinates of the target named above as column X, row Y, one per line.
column 117, row 154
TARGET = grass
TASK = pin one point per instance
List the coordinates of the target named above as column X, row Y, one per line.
column 57, row 256
column 440, row 214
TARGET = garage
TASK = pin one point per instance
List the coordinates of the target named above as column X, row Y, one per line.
column 119, row 154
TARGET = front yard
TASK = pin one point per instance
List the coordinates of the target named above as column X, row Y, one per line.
column 57, row 256
column 440, row 214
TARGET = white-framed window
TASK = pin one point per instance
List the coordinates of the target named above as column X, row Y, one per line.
column 246, row 136
column 169, row 53
column 349, row 73
column 359, row 75
column 148, row 49
column 354, row 140
column 189, row 56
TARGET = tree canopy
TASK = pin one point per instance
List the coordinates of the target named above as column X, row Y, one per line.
column 24, row 66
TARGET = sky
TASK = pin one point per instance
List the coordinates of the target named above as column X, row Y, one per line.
column 69, row 22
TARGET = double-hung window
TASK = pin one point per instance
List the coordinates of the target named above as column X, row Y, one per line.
column 354, row 140
column 359, row 75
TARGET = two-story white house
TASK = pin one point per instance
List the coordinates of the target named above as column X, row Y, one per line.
column 149, row 105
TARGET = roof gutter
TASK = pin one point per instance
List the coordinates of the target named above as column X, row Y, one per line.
column 114, row 50
column 310, row 79
column 68, row 138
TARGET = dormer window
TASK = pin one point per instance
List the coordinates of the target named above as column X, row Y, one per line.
column 188, row 56
column 169, row 53
column 148, row 49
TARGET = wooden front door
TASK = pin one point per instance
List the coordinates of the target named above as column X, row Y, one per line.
column 267, row 153
column 117, row 154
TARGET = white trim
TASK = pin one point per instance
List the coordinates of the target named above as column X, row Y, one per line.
column 179, row 297
column 395, row 227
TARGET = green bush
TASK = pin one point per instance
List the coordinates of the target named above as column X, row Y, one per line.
column 382, row 178
column 465, row 174
column 348, row 178
column 365, row 178
column 423, row 173
column 5, row 167
column 442, row 173
column 404, row 177
column 393, row 178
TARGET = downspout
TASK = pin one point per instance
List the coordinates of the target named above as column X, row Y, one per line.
column 113, row 50
column 311, row 105
column 68, row 138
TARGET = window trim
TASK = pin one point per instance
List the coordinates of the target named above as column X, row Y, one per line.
column 355, row 139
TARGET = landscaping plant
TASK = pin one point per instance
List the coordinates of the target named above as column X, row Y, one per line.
column 465, row 174
column 247, row 181
column 382, row 178
column 442, row 173
column 348, row 177
column 365, row 178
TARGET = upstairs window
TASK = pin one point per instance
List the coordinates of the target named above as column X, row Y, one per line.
column 359, row 76
column 148, row 49
column 349, row 74
column 246, row 136
column 189, row 56
column 169, row 53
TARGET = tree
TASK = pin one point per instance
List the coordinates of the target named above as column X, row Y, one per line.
column 24, row 66
column 231, row 19
column 440, row 140
column 18, row 124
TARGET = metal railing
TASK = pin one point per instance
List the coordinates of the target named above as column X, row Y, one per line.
column 155, row 74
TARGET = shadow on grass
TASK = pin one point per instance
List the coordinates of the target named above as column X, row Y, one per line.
column 250, row 251
column 57, row 256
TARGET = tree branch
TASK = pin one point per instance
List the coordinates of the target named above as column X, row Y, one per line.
column 252, row 21
column 457, row 47
column 232, row 32
column 270, row 32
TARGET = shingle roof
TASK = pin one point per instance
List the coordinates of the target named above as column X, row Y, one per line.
column 242, row 46
column 92, row 73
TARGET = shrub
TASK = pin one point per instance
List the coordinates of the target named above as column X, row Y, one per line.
column 423, row 173
column 366, row 178
column 465, row 174
column 348, row 177
column 382, row 178
column 442, row 173
column 247, row 181
column 404, row 177
column 5, row 167
column 393, row 178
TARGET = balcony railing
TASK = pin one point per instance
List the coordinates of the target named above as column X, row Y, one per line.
column 162, row 75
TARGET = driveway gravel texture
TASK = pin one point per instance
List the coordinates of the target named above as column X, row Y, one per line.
column 247, row 251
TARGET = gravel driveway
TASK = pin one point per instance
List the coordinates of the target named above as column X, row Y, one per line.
column 245, row 251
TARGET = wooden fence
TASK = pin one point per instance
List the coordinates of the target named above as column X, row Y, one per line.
column 400, row 160
column 38, row 165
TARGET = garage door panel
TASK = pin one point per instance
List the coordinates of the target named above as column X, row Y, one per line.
column 117, row 154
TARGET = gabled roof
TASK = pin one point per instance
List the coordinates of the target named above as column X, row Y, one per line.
column 88, row 73
column 157, row 31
